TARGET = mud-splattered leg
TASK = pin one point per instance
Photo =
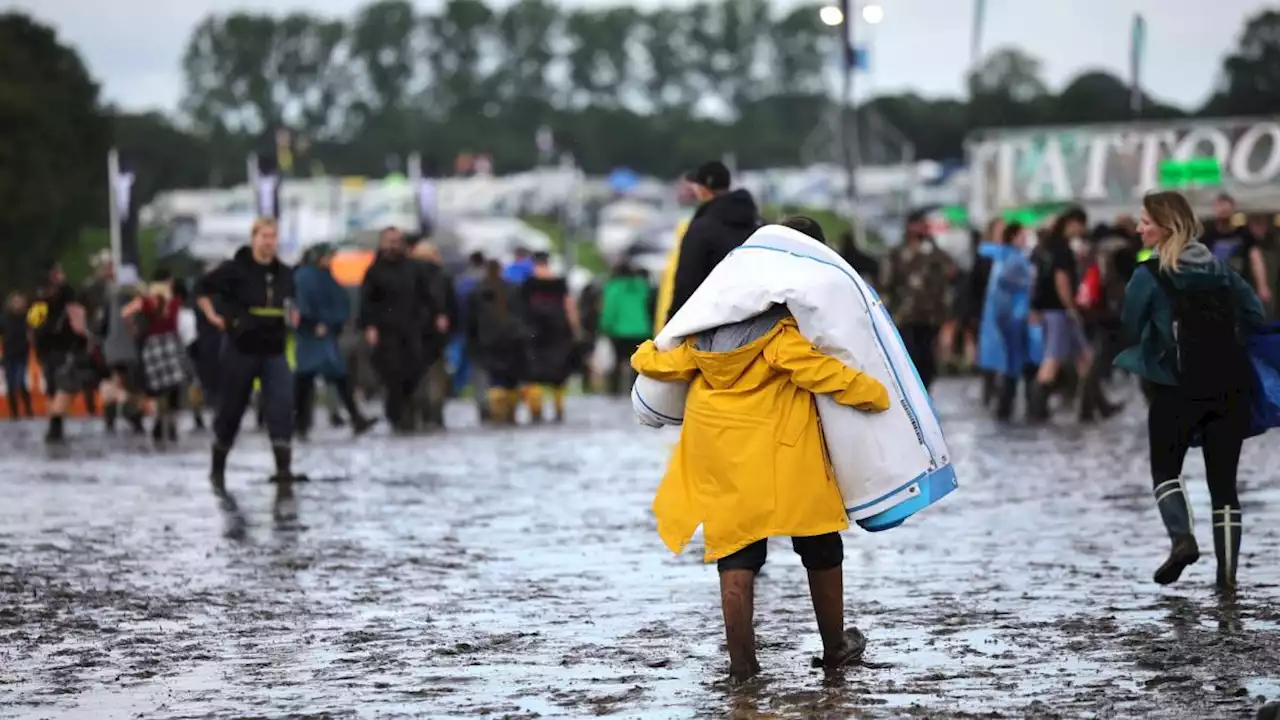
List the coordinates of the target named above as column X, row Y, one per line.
column 737, row 600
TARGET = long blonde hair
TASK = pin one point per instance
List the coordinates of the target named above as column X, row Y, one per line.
column 1171, row 212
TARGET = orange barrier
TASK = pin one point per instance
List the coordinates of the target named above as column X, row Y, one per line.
column 39, row 403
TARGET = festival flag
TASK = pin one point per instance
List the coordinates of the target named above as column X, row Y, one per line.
column 975, row 37
column 124, row 207
column 1137, row 46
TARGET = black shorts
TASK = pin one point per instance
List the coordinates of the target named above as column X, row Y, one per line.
column 66, row 372
column 820, row 552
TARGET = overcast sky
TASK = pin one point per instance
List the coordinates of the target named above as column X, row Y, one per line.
column 134, row 47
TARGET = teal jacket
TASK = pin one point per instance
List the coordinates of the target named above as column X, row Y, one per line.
column 1147, row 317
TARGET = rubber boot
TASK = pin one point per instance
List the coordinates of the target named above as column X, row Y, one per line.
column 989, row 384
column 840, row 647
column 1038, row 402
column 360, row 424
column 1175, row 511
column 1228, row 525
column 285, row 506
column 532, row 396
column 133, row 415
column 12, row 397
column 218, row 470
column 737, row 602
column 1004, row 403
column 110, row 413
column 55, row 435
column 557, row 401
column 502, row 406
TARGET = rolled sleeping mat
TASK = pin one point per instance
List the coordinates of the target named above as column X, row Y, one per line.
column 888, row 465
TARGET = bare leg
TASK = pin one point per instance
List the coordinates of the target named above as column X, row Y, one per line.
column 737, row 601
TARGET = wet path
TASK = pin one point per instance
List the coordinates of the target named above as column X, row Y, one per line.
column 516, row 574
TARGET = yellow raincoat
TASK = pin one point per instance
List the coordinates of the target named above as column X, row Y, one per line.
column 751, row 462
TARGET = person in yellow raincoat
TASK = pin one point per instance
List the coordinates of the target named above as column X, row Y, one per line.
column 751, row 464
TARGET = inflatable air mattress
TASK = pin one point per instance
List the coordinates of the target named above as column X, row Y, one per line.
column 889, row 465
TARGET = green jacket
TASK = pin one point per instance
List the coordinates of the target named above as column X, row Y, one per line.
column 1147, row 318
column 625, row 308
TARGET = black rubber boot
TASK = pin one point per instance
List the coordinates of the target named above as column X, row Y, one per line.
column 1004, row 403
column 133, row 415
column 1038, row 402
column 1175, row 511
column 109, row 415
column 286, row 506
column 218, row 470
column 55, row 434
column 1227, row 527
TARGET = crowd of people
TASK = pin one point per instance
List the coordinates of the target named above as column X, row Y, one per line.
column 1053, row 308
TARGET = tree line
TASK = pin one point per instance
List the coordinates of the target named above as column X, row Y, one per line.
column 655, row 90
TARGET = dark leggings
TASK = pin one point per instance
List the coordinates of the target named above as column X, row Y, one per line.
column 623, row 349
column 921, row 343
column 820, row 552
column 1174, row 419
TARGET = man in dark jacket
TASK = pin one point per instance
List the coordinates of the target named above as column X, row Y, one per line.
column 724, row 221
column 248, row 298
column 395, row 308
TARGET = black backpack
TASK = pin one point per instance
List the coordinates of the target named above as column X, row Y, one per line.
column 1211, row 357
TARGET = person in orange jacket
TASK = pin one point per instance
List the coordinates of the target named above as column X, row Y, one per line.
column 751, row 464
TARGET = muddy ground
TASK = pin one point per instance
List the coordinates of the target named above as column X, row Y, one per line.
column 517, row 574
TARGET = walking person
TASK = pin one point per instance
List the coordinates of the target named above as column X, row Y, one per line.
column 62, row 344
column 252, row 290
column 551, row 317
column 734, row 474
column 625, row 318
column 323, row 311
column 1053, row 305
column 723, row 221
column 497, row 340
column 395, row 307
column 467, row 372
column 1187, row 315
column 915, row 280
column 17, row 352
column 165, row 364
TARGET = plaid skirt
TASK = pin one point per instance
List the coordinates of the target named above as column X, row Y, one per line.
column 165, row 363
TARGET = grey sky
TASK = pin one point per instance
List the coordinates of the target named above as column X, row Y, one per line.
column 134, row 46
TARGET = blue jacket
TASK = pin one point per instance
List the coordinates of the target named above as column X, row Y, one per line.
column 321, row 301
column 1147, row 318
column 1003, row 334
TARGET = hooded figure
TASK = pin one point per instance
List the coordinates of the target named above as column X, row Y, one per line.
column 724, row 221
column 323, row 311
column 751, row 464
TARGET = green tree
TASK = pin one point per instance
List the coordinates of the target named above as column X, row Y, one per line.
column 52, row 150
column 1250, row 80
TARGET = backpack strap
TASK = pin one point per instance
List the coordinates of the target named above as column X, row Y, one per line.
column 1166, row 283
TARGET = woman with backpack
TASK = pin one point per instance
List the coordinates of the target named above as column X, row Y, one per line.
column 1188, row 316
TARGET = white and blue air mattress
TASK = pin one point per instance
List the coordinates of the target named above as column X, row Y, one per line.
column 888, row 465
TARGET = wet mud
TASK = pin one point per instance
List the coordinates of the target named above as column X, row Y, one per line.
column 516, row 574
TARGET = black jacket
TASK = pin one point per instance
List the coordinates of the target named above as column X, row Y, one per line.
column 496, row 336
column 396, row 298
column 17, row 345
column 720, row 225
column 251, row 298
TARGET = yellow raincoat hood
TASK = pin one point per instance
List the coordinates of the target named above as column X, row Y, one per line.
column 750, row 462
